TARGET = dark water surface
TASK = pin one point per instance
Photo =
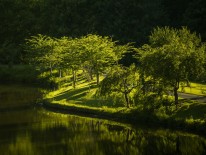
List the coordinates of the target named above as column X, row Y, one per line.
column 26, row 129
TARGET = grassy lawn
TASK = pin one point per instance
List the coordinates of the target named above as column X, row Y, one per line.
column 190, row 114
column 83, row 95
column 195, row 88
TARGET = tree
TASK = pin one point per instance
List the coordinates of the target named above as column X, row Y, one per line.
column 71, row 55
column 97, row 53
column 172, row 56
column 43, row 51
column 120, row 80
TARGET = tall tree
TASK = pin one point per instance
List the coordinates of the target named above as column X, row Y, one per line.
column 71, row 55
column 173, row 55
column 97, row 53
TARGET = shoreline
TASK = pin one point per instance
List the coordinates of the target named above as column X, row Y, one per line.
column 134, row 119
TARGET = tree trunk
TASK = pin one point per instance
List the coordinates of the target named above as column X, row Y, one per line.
column 50, row 69
column 176, row 96
column 126, row 92
column 143, row 83
column 126, row 99
column 176, row 87
column 60, row 73
column 90, row 74
column 97, row 75
column 67, row 72
column 74, row 78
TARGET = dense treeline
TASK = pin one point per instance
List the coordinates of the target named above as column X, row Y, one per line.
column 126, row 21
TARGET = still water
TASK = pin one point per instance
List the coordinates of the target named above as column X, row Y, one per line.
column 26, row 129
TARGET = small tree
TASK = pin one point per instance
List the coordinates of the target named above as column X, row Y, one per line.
column 120, row 80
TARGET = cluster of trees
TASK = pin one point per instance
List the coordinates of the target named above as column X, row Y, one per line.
column 172, row 57
column 92, row 53
column 126, row 21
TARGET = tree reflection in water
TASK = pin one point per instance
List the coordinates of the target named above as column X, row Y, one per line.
column 35, row 131
column 65, row 134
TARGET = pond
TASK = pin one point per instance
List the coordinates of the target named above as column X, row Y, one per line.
column 27, row 129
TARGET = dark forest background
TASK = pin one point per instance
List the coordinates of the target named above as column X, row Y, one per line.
column 123, row 20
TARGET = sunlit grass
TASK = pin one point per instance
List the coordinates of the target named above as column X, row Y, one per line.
column 83, row 94
column 195, row 88
column 83, row 99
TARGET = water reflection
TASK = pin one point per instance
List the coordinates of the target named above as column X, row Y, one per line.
column 37, row 131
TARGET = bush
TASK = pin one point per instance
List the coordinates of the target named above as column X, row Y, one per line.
column 154, row 104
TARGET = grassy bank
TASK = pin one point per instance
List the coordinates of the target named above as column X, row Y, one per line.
column 185, row 119
column 190, row 116
column 194, row 88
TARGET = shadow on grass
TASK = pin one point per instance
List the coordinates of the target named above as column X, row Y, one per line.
column 79, row 96
column 196, row 111
column 75, row 94
column 96, row 103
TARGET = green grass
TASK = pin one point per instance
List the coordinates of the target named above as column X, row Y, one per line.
column 82, row 99
column 83, row 95
column 195, row 88
column 194, row 110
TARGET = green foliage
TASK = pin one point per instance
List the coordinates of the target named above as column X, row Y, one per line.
column 92, row 53
column 43, row 51
column 120, row 80
column 71, row 55
column 174, row 55
column 97, row 51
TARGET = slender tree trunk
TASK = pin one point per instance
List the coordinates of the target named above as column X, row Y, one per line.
column 97, row 75
column 67, row 72
column 90, row 74
column 128, row 133
column 60, row 73
column 126, row 99
column 74, row 78
column 126, row 92
column 176, row 87
column 176, row 96
column 51, row 69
